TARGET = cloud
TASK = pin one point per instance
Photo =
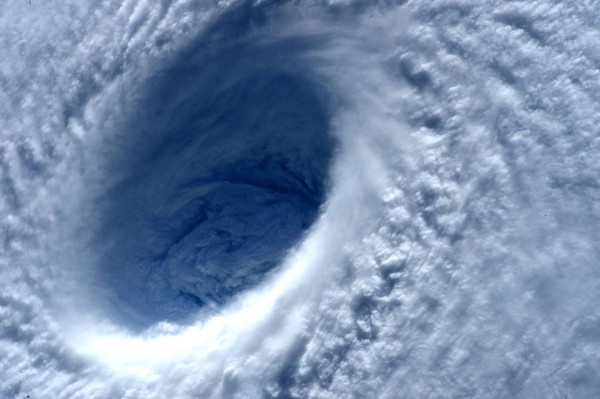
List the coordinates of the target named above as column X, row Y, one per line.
column 448, row 157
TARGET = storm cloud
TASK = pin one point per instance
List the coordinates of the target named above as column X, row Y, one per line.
column 278, row 199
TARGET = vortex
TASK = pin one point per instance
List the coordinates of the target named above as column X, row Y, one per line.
column 225, row 170
column 307, row 199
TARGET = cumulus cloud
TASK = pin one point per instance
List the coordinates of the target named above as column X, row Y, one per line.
column 274, row 199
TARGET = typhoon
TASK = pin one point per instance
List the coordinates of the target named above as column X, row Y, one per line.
column 299, row 199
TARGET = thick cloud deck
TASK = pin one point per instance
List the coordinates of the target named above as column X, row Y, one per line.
column 230, row 171
column 355, row 199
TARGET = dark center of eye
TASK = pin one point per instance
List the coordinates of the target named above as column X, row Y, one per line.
column 232, row 180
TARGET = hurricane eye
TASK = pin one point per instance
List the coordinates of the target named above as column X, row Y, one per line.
column 232, row 174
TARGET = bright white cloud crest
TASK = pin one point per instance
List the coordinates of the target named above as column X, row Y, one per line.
column 274, row 199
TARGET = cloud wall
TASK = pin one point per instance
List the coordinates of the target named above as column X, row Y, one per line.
column 299, row 199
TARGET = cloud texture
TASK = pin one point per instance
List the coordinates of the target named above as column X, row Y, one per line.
column 299, row 199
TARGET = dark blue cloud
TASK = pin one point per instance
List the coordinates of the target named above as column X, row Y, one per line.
column 217, row 172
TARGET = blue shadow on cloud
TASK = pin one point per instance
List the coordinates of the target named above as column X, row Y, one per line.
column 221, row 168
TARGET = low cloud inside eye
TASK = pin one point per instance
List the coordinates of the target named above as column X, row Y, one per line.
column 232, row 173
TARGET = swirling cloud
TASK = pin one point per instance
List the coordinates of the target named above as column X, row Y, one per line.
column 299, row 199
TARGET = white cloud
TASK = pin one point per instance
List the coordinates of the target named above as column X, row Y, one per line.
column 455, row 254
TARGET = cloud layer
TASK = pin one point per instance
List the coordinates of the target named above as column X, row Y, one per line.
column 435, row 163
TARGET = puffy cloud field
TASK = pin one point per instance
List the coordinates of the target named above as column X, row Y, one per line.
column 299, row 199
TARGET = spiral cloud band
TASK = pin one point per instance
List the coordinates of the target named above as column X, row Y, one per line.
column 276, row 199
